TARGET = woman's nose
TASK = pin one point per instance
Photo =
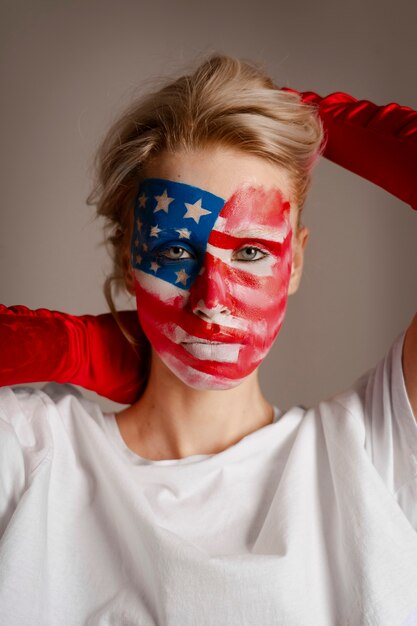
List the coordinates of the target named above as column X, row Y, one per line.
column 209, row 294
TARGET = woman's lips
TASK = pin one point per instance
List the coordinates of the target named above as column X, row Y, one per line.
column 179, row 335
column 212, row 350
column 221, row 347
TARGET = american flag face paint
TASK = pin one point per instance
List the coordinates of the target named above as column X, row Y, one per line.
column 211, row 277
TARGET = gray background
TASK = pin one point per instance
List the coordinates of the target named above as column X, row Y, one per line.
column 68, row 68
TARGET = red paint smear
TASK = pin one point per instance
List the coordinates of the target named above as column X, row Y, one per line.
column 244, row 294
column 153, row 317
column 227, row 242
column 258, row 207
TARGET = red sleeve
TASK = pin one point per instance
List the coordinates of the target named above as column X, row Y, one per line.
column 86, row 350
column 378, row 143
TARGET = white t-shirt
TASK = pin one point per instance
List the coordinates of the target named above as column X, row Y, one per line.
column 311, row 520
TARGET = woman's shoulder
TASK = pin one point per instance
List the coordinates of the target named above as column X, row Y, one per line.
column 374, row 405
column 25, row 438
column 36, row 418
column 375, row 414
column 382, row 384
column 23, row 404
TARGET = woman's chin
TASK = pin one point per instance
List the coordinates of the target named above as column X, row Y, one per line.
column 213, row 384
column 198, row 379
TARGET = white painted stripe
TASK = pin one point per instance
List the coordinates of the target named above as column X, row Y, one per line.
column 159, row 287
column 196, row 379
column 225, row 353
column 251, row 232
column 262, row 267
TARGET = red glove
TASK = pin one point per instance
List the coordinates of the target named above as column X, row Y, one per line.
column 377, row 143
column 88, row 350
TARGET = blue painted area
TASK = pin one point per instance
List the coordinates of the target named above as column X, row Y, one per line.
column 163, row 222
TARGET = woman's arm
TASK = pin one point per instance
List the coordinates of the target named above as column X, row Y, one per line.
column 86, row 350
column 380, row 144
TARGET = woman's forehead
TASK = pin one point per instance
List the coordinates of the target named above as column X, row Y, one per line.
column 166, row 205
column 219, row 170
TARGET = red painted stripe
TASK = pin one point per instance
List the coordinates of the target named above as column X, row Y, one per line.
column 228, row 242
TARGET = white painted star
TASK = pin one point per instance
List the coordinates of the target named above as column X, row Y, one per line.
column 184, row 233
column 143, row 200
column 145, row 247
column 138, row 259
column 195, row 211
column 154, row 266
column 155, row 231
column 182, row 277
column 136, row 243
column 163, row 202
column 139, row 225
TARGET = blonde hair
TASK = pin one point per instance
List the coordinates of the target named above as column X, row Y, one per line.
column 226, row 102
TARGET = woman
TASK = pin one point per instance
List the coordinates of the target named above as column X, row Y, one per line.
column 201, row 503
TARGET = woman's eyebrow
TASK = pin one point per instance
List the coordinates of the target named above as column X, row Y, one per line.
column 272, row 234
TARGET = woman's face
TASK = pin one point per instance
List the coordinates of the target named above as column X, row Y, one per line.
column 211, row 254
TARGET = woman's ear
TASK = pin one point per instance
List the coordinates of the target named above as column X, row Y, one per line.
column 128, row 274
column 299, row 245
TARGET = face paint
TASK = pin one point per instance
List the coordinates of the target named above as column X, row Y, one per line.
column 211, row 277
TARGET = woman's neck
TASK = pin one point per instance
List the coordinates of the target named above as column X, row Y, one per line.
column 172, row 420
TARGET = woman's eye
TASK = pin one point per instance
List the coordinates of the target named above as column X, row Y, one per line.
column 176, row 253
column 249, row 253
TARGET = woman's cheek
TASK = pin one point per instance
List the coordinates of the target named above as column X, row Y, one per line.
column 262, row 298
column 154, row 311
